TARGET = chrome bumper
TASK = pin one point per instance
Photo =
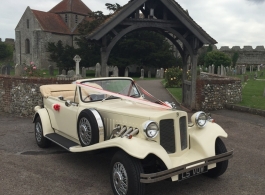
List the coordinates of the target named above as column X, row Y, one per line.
column 154, row 177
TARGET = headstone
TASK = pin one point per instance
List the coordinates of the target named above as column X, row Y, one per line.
column 71, row 73
column 63, row 72
column 218, row 70
column 258, row 67
column 222, row 70
column 256, row 75
column 77, row 59
column 107, row 71
column 3, row 70
column 157, row 73
column 115, row 71
column 206, row 69
column 98, row 70
column 126, row 73
column 142, row 73
column 162, row 73
column 18, row 70
column 51, row 72
column 212, row 68
column 149, row 73
column 84, row 72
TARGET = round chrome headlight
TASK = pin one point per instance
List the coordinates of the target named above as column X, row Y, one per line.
column 151, row 129
column 199, row 118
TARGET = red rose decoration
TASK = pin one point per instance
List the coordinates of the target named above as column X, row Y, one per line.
column 56, row 107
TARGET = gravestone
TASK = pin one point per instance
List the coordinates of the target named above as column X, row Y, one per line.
column 51, row 71
column 142, row 73
column 126, row 73
column 83, row 72
column 18, row 70
column 71, row 73
column 222, row 70
column 77, row 59
column 3, row 70
column 213, row 69
column 149, row 73
column 107, row 71
column 258, row 68
column 206, row 69
column 210, row 69
column 157, row 73
column 218, row 70
column 256, row 75
column 98, row 70
column 63, row 72
column 115, row 71
column 162, row 73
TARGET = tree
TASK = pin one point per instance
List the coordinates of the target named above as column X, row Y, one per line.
column 217, row 58
column 5, row 51
column 61, row 55
column 235, row 58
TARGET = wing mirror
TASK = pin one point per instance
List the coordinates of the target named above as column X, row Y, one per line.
column 68, row 103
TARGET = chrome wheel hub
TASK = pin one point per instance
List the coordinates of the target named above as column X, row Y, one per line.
column 85, row 131
column 38, row 132
column 120, row 178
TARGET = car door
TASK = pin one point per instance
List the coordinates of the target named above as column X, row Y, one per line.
column 67, row 118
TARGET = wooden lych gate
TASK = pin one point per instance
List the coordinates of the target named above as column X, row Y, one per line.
column 169, row 19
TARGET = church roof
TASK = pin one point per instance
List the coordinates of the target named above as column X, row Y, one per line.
column 71, row 6
column 51, row 22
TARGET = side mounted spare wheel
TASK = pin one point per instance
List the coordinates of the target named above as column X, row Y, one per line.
column 90, row 127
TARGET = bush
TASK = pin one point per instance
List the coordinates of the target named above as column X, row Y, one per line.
column 31, row 70
column 173, row 77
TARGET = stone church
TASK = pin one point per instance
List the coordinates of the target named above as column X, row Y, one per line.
column 36, row 28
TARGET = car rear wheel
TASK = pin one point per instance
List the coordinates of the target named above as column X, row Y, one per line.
column 87, row 128
column 125, row 175
column 220, row 166
column 40, row 139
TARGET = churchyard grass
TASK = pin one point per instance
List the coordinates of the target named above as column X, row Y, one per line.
column 177, row 93
column 252, row 94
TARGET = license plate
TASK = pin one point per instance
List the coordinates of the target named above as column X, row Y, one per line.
column 192, row 173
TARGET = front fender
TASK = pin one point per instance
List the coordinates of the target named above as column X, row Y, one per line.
column 136, row 147
column 45, row 120
column 203, row 140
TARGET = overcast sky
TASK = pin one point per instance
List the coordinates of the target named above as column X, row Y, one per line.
column 229, row 22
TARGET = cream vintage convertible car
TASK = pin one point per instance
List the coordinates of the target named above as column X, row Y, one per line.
column 151, row 141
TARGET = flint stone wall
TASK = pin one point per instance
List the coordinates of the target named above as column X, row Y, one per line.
column 19, row 95
column 213, row 92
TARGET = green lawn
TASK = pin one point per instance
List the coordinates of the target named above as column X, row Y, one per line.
column 252, row 92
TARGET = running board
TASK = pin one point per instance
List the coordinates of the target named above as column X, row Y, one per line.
column 61, row 141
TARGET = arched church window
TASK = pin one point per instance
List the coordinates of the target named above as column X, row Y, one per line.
column 27, row 23
column 27, row 46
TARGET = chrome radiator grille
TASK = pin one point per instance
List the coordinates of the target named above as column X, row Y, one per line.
column 183, row 132
column 167, row 135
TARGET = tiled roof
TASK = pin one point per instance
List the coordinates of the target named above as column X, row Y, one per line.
column 72, row 6
column 51, row 22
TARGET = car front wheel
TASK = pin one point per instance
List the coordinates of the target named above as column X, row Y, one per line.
column 125, row 175
column 40, row 139
column 220, row 166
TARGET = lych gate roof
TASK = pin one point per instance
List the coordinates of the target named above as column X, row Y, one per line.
column 174, row 8
column 51, row 22
column 73, row 6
